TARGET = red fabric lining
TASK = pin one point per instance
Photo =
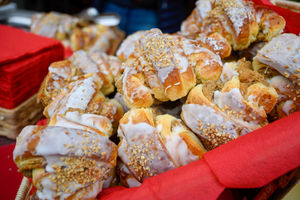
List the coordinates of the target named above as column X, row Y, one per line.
column 258, row 158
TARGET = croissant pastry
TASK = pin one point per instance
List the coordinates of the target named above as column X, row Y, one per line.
column 239, row 21
column 88, row 122
column 63, row 72
column 193, row 23
column 83, row 96
column 127, row 48
column 65, row 163
column 150, row 144
column 215, row 43
column 234, row 105
column 93, row 38
column 54, row 25
column 280, row 56
column 167, row 67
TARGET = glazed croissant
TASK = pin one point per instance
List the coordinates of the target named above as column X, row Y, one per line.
column 165, row 68
column 279, row 61
column 239, row 21
column 65, row 163
column 150, row 145
column 83, row 97
column 234, row 105
column 280, row 55
column 93, row 38
column 54, row 24
column 64, row 72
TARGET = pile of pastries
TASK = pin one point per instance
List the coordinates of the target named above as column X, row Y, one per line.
column 77, row 33
column 168, row 98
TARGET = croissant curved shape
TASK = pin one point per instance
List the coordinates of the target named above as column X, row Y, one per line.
column 234, row 105
column 54, row 24
column 63, row 72
column 165, row 67
column 239, row 21
column 65, row 163
column 150, row 145
column 83, row 97
column 93, row 38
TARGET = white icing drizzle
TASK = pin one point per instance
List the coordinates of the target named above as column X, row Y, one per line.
column 119, row 97
column 132, row 182
column 155, row 44
column 283, row 54
column 287, row 107
column 132, row 93
column 203, row 7
column 228, row 71
column 233, row 99
column 212, row 42
column 192, row 113
column 46, row 24
column 115, row 65
column 91, row 122
column 81, row 95
column 127, row 47
column 190, row 48
column 237, row 14
column 84, row 62
column 140, row 134
column 282, row 85
column 102, row 44
column 177, row 147
column 56, row 142
column 102, row 61
column 56, row 72
column 78, row 97
column 22, row 137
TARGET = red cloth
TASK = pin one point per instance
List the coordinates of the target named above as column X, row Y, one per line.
column 10, row 178
column 24, row 62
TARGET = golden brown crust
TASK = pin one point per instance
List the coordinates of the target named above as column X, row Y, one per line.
column 81, row 64
column 91, row 101
column 270, row 23
column 215, row 43
column 237, row 103
column 58, row 158
column 152, row 144
column 166, row 66
column 239, row 21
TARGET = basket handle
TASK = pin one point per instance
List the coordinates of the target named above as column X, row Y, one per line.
column 24, row 189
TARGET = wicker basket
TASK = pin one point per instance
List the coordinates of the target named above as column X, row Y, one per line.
column 24, row 189
column 13, row 120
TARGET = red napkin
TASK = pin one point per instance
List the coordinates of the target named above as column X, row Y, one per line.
column 24, row 62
